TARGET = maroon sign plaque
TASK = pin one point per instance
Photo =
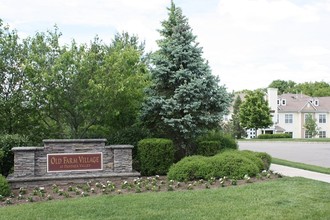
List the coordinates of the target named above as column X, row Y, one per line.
column 74, row 162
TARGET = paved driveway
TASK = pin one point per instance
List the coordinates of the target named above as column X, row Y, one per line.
column 309, row 153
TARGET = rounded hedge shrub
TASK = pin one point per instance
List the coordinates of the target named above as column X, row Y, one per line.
column 272, row 136
column 4, row 186
column 230, row 163
column 155, row 155
column 253, row 156
column 189, row 168
column 266, row 159
column 233, row 164
column 213, row 142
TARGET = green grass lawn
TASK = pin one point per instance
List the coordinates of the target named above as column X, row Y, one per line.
column 286, row 198
column 301, row 166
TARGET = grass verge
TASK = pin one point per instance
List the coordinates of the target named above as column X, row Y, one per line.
column 301, row 166
column 286, row 198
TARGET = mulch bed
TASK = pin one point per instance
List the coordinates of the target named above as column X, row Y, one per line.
column 118, row 187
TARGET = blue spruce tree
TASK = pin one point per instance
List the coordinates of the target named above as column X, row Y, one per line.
column 185, row 99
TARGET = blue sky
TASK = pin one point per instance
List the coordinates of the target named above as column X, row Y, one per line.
column 248, row 43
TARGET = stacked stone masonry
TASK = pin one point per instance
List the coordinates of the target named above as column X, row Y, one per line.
column 30, row 163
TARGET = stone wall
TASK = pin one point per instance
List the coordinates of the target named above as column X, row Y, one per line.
column 30, row 163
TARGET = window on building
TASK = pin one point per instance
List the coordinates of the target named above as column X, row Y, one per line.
column 283, row 101
column 308, row 134
column 288, row 118
column 322, row 134
column 316, row 102
column 322, row 118
column 278, row 101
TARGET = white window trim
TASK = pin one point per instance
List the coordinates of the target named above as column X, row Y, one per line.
column 288, row 118
column 322, row 120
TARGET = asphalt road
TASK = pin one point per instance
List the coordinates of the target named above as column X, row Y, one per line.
column 303, row 152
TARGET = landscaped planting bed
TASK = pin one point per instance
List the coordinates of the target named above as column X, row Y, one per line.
column 137, row 185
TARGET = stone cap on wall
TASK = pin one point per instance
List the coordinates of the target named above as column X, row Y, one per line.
column 27, row 148
column 120, row 146
column 48, row 141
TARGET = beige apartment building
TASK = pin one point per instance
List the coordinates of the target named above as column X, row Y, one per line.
column 289, row 112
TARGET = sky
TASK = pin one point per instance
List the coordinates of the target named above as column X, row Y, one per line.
column 248, row 43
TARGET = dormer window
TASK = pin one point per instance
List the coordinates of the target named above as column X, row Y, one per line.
column 283, row 102
column 278, row 102
column 316, row 102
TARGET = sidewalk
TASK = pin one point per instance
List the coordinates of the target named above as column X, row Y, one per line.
column 292, row 172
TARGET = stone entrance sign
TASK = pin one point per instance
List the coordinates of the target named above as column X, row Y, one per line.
column 70, row 160
column 74, row 162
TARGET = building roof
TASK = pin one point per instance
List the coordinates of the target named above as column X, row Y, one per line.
column 303, row 103
column 279, row 129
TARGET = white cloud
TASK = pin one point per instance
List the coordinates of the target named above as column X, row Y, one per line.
column 262, row 12
column 248, row 43
column 309, row 51
column 251, row 43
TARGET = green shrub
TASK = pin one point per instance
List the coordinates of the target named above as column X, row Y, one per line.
column 4, row 186
column 231, row 163
column 7, row 142
column 208, row 148
column 214, row 142
column 155, row 155
column 189, row 168
column 266, row 159
column 2, row 155
column 253, row 156
column 131, row 135
column 272, row 136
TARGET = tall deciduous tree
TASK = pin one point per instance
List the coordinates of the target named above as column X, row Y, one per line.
column 254, row 111
column 185, row 99
column 238, row 130
column 14, row 111
column 283, row 86
column 86, row 90
column 315, row 89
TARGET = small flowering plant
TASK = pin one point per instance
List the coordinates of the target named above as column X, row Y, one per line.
column 20, row 197
column 84, row 194
column 170, row 188
column 190, row 186
column 9, row 201
column 42, row 189
column 30, row 199
column 247, row 178
column 212, row 180
column 22, row 190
